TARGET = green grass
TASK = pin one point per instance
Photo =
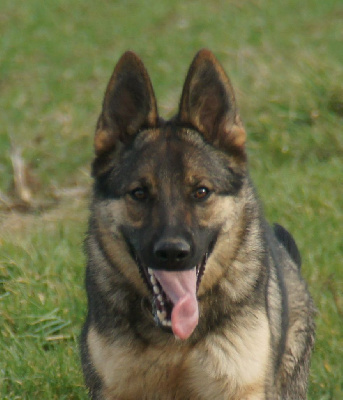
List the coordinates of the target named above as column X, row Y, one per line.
column 285, row 61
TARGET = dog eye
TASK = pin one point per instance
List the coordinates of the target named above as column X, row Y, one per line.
column 139, row 193
column 201, row 193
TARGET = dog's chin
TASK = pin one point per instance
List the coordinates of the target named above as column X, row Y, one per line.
column 162, row 304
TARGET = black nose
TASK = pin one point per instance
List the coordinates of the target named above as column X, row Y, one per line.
column 172, row 252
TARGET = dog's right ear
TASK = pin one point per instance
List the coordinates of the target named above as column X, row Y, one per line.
column 208, row 104
column 129, row 106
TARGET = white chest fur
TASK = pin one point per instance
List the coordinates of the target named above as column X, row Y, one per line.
column 230, row 365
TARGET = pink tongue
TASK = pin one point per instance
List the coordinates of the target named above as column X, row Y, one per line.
column 180, row 287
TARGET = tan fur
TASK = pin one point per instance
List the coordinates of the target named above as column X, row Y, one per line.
column 223, row 366
column 114, row 248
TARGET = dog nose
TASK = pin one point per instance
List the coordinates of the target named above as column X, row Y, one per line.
column 172, row 251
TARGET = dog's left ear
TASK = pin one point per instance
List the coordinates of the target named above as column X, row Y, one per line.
column 208, row 104
column 129, row 106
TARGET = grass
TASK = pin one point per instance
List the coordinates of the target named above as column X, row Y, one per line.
column 285, row 61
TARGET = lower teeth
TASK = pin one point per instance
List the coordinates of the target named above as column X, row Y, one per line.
column 161, row 315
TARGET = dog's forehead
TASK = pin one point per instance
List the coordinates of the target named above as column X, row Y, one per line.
column 173, row 152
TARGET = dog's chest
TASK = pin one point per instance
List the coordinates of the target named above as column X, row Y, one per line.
column 220, row 367
column 129, row 371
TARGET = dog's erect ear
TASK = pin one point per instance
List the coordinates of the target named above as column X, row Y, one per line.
column 129, row 105
column 208, row 104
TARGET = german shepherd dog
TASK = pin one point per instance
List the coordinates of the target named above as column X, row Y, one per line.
column 191, row 294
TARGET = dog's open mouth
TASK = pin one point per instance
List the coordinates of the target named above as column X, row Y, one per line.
column 175, row 304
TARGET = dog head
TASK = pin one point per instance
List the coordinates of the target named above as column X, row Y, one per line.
column 166, row 190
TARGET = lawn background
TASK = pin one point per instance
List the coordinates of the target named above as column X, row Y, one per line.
column 285, row 60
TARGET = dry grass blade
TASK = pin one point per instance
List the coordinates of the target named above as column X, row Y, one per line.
column 20, row 176
column 21, row 197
